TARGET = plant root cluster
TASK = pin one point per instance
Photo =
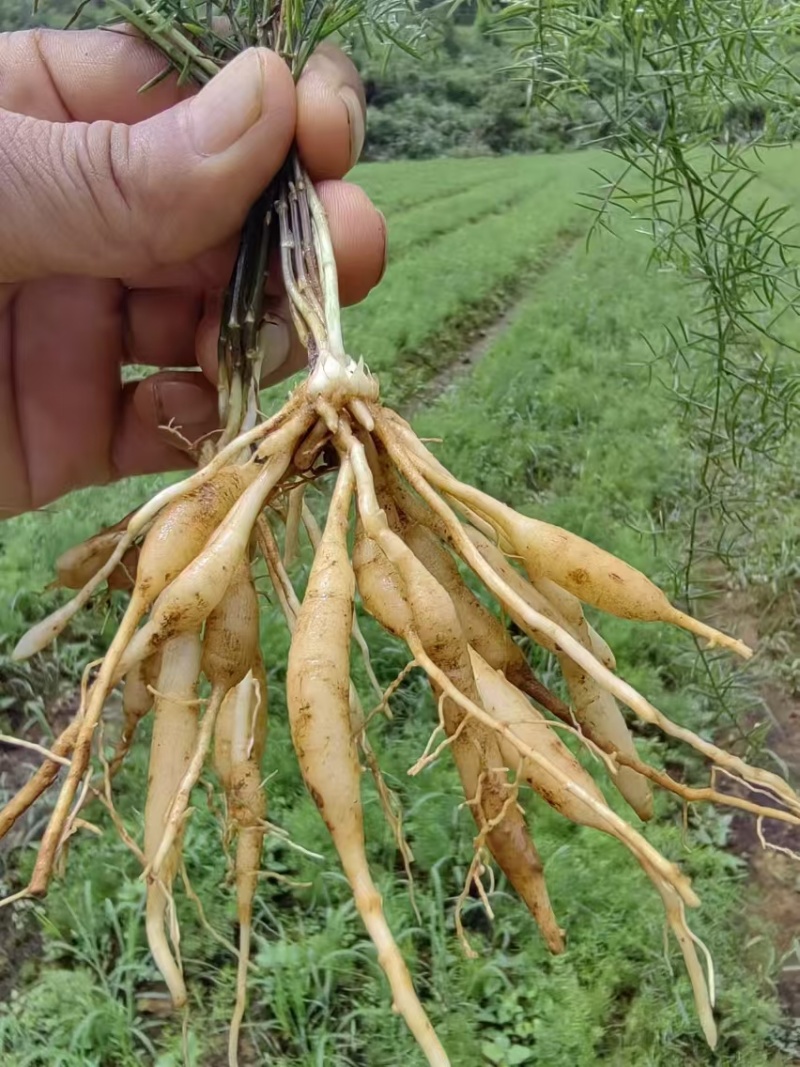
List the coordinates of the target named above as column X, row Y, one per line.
column 399, row 531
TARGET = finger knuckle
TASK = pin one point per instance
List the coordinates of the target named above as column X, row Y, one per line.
column 99, row 163
column 26, row 201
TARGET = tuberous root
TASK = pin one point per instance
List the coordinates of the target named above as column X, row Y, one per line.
column 504, row 730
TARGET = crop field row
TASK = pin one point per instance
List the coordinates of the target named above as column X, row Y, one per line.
column 565, row 414
column 456, row 270
column 520, row 181
column 406, row 185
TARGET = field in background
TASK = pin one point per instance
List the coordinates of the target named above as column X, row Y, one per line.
column 548, row 400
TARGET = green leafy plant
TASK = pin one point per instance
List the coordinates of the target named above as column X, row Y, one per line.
column 688, row 97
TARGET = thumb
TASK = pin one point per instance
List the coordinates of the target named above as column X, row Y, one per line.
column 110, row 200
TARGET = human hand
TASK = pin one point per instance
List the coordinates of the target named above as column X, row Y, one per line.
column 119, row 217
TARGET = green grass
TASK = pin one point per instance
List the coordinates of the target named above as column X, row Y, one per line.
column 406, row 185
column 530, row 185
column 564, row 419
column 434, row 282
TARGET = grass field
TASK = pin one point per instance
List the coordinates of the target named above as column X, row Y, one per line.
column 564, row 416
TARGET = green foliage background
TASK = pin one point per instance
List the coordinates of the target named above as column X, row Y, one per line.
column 467, row 93
column 19, row 14
column 455, row 99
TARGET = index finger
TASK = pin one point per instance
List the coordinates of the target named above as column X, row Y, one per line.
column 85, row 76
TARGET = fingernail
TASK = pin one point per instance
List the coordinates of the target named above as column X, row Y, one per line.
column 226, row 108
column 356, row 120
column 185, row 405
column 385, row 247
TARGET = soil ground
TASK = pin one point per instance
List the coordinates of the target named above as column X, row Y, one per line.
column 774, row 877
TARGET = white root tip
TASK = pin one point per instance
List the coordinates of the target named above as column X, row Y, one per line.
column 43, row 633
column 362, row 413
column 241, row 995
column 170, row 969
column 715, row 638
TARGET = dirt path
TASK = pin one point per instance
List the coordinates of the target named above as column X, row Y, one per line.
column 774, row 877
column 454, row 351
column 449, row 377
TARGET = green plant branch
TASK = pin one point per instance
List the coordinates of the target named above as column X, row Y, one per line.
column 689, row 96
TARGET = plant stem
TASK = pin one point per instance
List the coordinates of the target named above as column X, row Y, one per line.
column 288, row 216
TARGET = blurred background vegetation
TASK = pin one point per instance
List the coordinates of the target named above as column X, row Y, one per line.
column 459, row 98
